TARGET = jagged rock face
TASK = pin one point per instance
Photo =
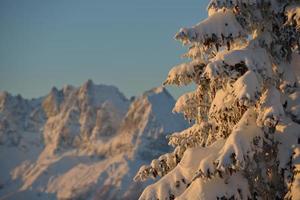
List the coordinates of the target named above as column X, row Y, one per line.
column 67, row 116
column 90, row 131
column 83, row 114
column 52, row 102
column 18, row 115
column 149, row 120
column 140, row 138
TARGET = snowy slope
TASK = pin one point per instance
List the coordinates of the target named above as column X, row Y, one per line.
column 81, row 143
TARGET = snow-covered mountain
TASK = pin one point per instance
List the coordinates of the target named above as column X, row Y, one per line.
column 81, row 143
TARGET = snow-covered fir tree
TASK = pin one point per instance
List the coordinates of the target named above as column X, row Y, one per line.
column 243, row 142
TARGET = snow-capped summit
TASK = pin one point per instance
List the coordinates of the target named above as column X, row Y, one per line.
column 15, row 117
column 52, row 102
column 146, row 124
column 82, row 113
column 91, row 131
column 95, row 95
column 153, row 120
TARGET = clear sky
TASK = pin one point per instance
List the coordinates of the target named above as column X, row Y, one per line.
column 126, row 43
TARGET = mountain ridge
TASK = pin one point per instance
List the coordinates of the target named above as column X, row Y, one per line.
column 91, row 131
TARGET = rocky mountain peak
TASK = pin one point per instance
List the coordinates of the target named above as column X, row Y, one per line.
column 92, row 131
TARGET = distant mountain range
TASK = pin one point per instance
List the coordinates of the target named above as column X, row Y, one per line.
column 81, row 143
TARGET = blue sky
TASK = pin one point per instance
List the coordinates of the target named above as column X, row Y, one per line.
column 124, row 43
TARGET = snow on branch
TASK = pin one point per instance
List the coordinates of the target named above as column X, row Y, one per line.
column 183, row 181
column 254, row 58
column 288, row 76
column 194, row 52
column 158, row 167
column 224, row 113
column 195, row 105
column 293, row 15
column 211, row 164
column 177, row 180
column 270, row 108
column 292, row 105
column 187, row 104
column 247, row 89
column 185, row 73
column 237, row 4
column 194, row 136
column 244, row 140
column 294, row 191
column 219, row 29
column 242, row 143
column 287, row 136
column 233, row 187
